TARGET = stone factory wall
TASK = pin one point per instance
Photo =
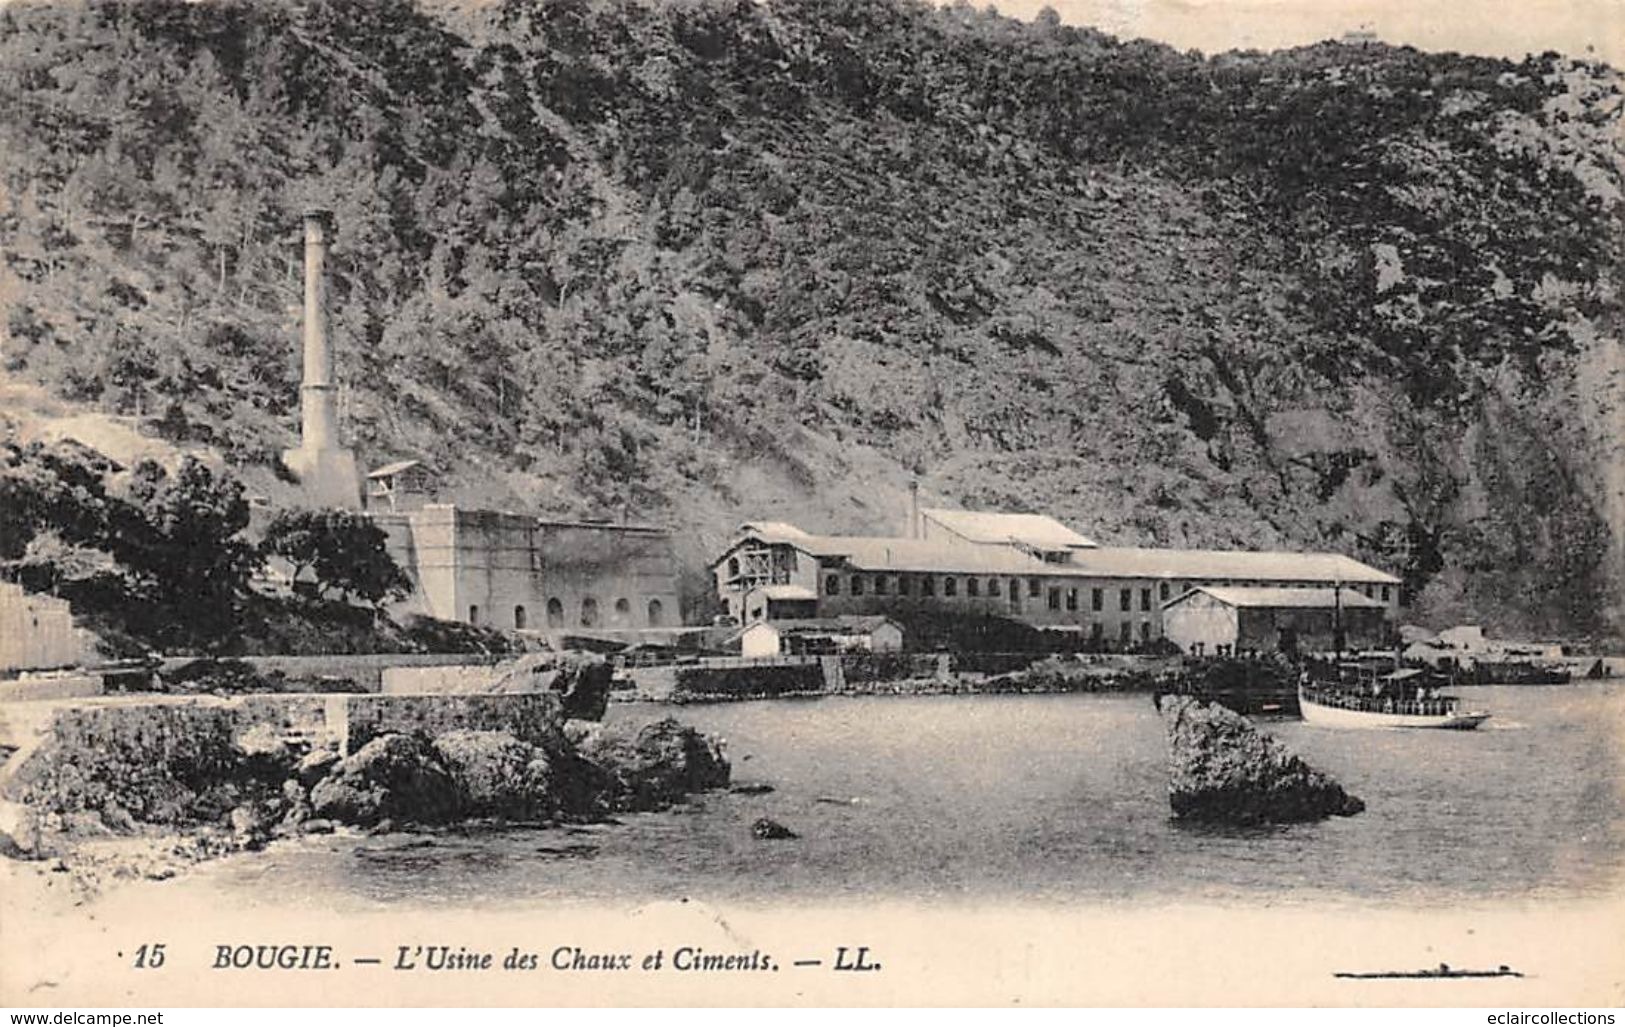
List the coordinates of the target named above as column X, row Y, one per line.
column 514, row 571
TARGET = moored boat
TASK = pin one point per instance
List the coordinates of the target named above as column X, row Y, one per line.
column 1362, row 698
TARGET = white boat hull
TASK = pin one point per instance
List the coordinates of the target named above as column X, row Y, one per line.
column 1338, row 717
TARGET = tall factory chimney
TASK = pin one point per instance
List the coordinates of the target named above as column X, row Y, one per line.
column 916, row 527
column 323, row 466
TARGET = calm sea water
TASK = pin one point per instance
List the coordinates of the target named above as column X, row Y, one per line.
column 1031, row 797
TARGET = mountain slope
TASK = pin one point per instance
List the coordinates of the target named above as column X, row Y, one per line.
column 712, row 260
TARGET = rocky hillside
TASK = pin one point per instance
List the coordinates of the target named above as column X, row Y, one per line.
column 707, row 260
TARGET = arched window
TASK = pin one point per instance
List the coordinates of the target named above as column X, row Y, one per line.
column 473, row 614
column 623, row 611
column 657, row 613
column 519, row 618
column 555, row 613
column 589, row 612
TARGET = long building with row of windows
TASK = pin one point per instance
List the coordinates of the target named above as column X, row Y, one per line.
column 1023, row 566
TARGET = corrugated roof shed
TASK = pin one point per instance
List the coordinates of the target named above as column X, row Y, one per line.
column 1282, row 598
column 1226, row 564
column 1035, row 530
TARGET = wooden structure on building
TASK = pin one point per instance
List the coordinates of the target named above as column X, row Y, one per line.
column 400, row 487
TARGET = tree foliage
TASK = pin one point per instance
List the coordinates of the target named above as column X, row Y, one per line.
column 343, row 551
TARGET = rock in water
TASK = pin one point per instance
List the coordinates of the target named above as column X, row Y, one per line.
column 1224, row 770
column 768, row 829
column 664, row 762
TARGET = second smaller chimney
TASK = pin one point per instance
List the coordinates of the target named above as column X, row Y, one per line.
column 916, row 529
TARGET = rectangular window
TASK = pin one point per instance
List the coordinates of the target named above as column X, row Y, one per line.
column 1055, row 599
column 902, row 584
column 857, row 584
column 973, row 586
column 927, row 585
column 1097, row 599
column 880, row 584
column 1145, row 631
column 1125, row 632
column 1034, row 587
column 1163, row 593
column 1385, row 593
column 992, row 586
column 1125, row 599
column 1097, row 631
column 1072, row 599
column 832, row 585
column 950, row 586
column 1145, row 600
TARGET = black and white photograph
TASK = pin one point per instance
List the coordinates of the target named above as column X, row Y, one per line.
column 527, row 503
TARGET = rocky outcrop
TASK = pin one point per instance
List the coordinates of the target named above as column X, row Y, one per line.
column 1222, row 769
column 656, row 766
column 245, row 770
column 395, row 776
column 581, row 679
column 497, row 775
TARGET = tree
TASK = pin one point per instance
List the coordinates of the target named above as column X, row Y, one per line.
column 182, row 534
column 341, row 550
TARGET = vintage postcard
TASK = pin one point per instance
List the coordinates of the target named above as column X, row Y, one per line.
column 812, row 502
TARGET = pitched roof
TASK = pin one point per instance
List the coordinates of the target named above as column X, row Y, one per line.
column 883, row 553
column 778, row 529
column 1232, row 564
column 1035, row 530
column 886, row 553
column 1283, row 598
column 785, row 592
column 394, row 468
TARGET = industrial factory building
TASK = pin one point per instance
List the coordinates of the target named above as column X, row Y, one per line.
column 1219, row 621
column 524, row 573
column 1025, row 567
column 485, row 567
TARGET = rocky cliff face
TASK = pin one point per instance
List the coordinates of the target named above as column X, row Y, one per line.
column 599, row 255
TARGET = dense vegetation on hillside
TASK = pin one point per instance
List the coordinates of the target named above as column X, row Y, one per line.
column 709, row 259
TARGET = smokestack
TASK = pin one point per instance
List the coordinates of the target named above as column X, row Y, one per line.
column 317, row 395
column 916, row 529
column 325, row 469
